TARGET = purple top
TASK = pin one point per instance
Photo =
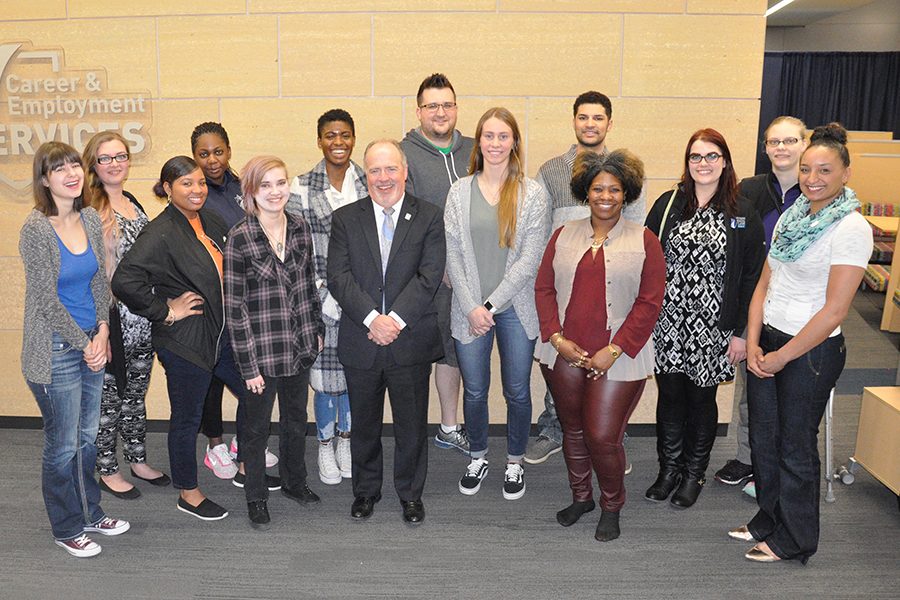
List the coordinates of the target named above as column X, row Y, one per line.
column 771, row 217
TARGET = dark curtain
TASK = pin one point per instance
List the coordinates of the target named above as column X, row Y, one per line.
column 861, row 90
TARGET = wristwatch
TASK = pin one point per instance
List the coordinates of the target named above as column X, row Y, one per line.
column 490, row 307
column 612, row 350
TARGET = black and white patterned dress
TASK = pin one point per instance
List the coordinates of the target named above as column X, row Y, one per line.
column 687, row 336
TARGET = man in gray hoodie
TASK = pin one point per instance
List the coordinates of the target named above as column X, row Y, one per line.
column 438, row 155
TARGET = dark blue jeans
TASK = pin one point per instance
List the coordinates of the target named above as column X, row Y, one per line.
column 70, row 407
column 785, row 412
column 187, row 385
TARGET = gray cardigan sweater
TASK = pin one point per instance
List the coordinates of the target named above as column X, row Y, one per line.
column 44, row 313
column 522, row 261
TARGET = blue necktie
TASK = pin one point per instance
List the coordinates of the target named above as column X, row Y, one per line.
column 387, row 236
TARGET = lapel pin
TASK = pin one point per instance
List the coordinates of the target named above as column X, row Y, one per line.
column 407, row 216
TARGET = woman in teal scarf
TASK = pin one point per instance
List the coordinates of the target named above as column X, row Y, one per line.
column 795, row 350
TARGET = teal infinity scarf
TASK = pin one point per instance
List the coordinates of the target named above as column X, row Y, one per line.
column 798, row 229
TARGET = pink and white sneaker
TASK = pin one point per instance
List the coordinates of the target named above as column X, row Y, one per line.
column 81, row 546
column 218, row 459
column 271, row 459
column 109, row 526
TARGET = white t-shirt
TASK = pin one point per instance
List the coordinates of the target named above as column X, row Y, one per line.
column 797, row 289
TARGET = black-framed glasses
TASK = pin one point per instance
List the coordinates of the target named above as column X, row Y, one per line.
column 434, row 106
column 106, row 159
column 710, row 158
column 774, row 143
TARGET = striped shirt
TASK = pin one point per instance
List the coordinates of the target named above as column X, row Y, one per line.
column 556, row 175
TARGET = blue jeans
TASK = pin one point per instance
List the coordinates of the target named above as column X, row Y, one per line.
column 516, row 357
column 331, row 410
column 785, row 411
column 187, row 385
column 70, row 406
column 548, row 421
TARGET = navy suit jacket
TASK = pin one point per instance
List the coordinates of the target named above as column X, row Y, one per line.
column 414, row 272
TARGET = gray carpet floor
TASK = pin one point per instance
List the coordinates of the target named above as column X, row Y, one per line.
column 469, row 547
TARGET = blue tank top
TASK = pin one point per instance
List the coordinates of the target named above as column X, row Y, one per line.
column 74, row 284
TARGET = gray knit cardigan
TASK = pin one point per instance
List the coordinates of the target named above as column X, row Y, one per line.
column 522, row 260
column 44, row 313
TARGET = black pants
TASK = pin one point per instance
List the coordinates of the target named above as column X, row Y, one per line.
column 686, row 418
column 211, row 422
column 785, row 411
column 292, row 398
column 408, row 390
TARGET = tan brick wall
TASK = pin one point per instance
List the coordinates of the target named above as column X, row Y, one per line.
column 267, row 68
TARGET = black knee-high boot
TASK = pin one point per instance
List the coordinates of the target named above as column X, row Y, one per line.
column 700, row 434
column 670, row 422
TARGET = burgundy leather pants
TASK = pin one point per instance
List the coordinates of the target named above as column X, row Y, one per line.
column 593, row 415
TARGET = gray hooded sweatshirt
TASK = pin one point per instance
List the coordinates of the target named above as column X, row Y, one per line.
column 431, row 172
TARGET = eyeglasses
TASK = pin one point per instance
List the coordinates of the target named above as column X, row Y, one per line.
column 710, row 158
column 105, row 159
column 773, row 143
column 434, row 106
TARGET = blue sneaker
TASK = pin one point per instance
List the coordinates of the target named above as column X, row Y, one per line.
column 457, row 440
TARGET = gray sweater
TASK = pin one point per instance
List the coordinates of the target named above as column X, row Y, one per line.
column 532, row 233
column 556, row 174
column 431, row 173
column 44, row 313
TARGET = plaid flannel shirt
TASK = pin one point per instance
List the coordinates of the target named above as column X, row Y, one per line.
column 271, row 307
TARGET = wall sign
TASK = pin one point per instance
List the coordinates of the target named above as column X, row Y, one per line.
column 42, row 99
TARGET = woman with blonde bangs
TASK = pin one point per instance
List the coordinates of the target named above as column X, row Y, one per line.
column 497, row 222
column 274, row 319
column 122, row 410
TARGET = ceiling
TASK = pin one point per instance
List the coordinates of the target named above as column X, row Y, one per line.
column 805, row 12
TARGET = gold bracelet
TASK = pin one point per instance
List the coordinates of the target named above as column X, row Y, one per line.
column 559, row 336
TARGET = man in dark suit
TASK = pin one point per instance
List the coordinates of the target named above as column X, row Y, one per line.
column 385, row 262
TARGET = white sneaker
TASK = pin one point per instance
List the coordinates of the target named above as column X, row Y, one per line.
column 221, row 463
column 514, row 482
column 329, row 473
column 271, row 459
column 476, row 471
column 82, row 546
column 344, row 460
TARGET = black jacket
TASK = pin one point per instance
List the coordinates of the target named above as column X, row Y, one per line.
column 745, row 252
column 414, row 271
column 165, row 261
column 761, row 193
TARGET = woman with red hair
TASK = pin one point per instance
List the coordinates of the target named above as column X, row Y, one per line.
column 714, row 247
